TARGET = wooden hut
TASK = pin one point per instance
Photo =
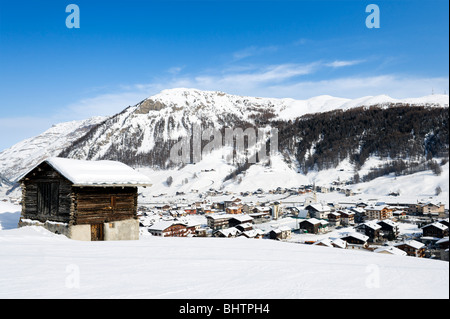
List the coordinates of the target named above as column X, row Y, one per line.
column 84, row 200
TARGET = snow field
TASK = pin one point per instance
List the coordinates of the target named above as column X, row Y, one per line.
column 38, row 264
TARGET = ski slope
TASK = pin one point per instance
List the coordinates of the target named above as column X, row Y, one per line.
column 35, row 263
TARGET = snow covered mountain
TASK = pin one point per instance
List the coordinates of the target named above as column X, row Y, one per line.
column 22, row 156
column 143, row 135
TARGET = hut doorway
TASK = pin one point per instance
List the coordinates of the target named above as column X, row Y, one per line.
column 97, row 232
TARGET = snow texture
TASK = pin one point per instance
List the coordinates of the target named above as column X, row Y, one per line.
column 35, row 263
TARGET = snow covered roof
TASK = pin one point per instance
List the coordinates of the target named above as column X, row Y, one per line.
column 243, row 218
column 372, row 224
column 391, row 250
column 358, row 210
column 320, row 207
column 339, row 243
column 412, row 243
column 163, row 225
column 442, row 240
column 329, row 242
column 313, row 221
column 232, row 231
column 388, row 222
column 220, row 216
column 98, row 173
column 324, row 241
column 253, row 233
column 356, row 235
column 437, row 225
column 245, row 225
column 376, row 208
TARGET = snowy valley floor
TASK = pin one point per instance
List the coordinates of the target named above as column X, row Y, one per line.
column 35, row 263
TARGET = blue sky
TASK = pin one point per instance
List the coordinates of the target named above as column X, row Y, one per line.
column 125, row 51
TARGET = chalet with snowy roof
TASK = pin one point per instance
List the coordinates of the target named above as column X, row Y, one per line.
column 430, row 208
column 244, row 227
column 227, row 232
column 280, row 233
column 390, row 250
column 218, row 221
column 360, row 214
column 412, row 248
column 437, row 230
column 240, row 219
column 171, row 229
column 355, row 239
column 260, row 217
column 347, row 217
column 253, row 233
column 389, row 229
column 313, row 226
column 334, row 218
column 371, row 229
column 332, row 243
column 400, row 214
column 84, row 200
column 379, row 212
column 318, row 210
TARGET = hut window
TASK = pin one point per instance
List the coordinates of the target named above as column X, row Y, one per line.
column 48, row 198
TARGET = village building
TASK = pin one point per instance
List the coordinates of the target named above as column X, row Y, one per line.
column 170, row 229
column 239, row 219
column 313, row 226
column 442, row 245
column 318, row 211
column 253, row 233
column 390, row 250
column 260, row 217
column 412, row 248
column 84, row 200
column 436, row 229
column 389, row 229
column 360, row 214
column 244, row 227
column 371, row 229
column 218, row 221
column 233, row 210
column 227, row 232
column 400, row 214
column 280, row 233
column 334, row 219
column 276, row 210
column 332, row 243
column 356, row 240
column 429, row 208
column 347, row 217
column 378, row 212
column 262, row 210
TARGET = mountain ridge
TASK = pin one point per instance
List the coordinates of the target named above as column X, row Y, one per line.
column 142, row 135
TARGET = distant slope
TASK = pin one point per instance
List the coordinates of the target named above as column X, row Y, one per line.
column 24, row 155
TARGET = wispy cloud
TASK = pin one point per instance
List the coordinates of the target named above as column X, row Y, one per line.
column 340, row 63
column 253, row 51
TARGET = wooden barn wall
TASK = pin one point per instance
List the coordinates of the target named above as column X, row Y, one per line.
column 50, row 181
column 94, row 205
